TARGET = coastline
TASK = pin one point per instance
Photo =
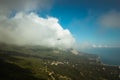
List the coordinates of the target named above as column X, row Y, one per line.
column 101, row 62
column 107, row 56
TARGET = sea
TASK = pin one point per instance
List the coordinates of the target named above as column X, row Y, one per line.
column 110, row 56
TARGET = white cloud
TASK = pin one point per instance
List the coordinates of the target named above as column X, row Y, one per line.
column 30, row 29
column 110, row 19
column 83, row 45
column 6, row 6
column 27, row 28
column 99, row 46
column 94, row 46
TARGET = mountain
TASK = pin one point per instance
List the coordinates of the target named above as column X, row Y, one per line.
column 44, row 63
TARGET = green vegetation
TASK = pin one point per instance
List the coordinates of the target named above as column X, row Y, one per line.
column 42, row 63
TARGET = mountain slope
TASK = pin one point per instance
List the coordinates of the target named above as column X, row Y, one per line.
column 43, row 63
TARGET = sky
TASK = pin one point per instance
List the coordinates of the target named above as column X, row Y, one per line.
column 92, row 22
column 63, row 23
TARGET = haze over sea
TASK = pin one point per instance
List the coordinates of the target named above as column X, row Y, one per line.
column 110, row 56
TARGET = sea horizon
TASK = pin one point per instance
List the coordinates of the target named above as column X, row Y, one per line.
column 108, row 56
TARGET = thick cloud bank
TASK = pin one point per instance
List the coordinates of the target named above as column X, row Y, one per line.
column 30, row 29
column 27, row 28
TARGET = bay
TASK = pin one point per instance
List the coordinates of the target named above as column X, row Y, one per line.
column 110, row 56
